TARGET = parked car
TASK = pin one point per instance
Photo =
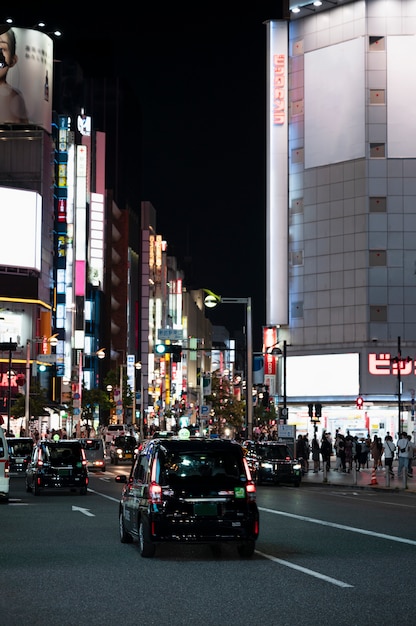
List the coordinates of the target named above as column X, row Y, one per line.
column 20, row 451
column 95, row 453
column 189, row 490
column 123, row 449
column 274, row 463
column 4, row 468
column 57, row 465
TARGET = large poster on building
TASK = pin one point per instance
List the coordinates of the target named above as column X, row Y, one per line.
column 21, row 229
column 26, row 66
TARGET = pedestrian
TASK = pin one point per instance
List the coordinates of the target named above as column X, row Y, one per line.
column 316, row 455
column 402, row 446
column 376, row 449
column 348, row 452
column 302, row 452
column 389, row 450
column 364, row 452
column 410, row 454
column 326, row 451
column 356, row 451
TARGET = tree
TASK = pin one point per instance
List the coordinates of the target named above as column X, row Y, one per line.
column 227, row 410
column 38, row 399
column 90, row 399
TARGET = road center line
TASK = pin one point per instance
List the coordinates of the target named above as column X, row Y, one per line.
column 350, row 529
column 304, row 570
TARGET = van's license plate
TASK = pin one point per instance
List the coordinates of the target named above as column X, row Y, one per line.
column 205, row 508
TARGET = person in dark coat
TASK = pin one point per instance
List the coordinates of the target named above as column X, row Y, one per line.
column 326, row 451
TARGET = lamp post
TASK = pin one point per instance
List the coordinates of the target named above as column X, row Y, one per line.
column 275, row 351
column 211, row 300
column 138, row 366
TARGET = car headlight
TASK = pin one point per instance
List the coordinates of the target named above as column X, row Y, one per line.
column 119, row 451
column 297, row 466
column 266, row 465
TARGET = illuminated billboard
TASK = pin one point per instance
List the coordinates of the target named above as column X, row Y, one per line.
column 26, row 72
column 21, row 228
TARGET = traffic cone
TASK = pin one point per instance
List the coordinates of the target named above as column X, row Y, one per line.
column 373, row 477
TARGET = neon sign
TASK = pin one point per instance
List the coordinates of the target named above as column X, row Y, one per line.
column 279, row 103
column 384, row 364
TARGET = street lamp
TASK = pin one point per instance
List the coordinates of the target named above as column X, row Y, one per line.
column 138, row 366
column 211, row 300
column 275, row 351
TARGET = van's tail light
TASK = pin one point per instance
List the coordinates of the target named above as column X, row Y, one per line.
column 155, row 493
column 251, row 491
column 6, row 468
column 84, row 457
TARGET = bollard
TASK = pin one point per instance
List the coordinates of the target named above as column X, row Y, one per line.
column 354, row 475
column 405, row 478
column 325, row 478
column 387, row 476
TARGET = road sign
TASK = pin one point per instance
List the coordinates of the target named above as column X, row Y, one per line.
column 171, row 334
column 204, row 410
column 46, row 358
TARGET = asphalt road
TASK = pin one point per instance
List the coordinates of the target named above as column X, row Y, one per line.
column 324, row 553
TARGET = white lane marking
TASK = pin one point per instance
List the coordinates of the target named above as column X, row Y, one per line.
column 103, row 495
column 360, row 531
column 304, row 570
column 86, row 512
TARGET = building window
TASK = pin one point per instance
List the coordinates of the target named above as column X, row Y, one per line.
column 378, row 204
column 377, row 150
column 378, row 258
column 378, row 314
column 377, row 43
column 377, row 96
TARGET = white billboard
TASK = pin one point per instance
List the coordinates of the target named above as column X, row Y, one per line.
column 26, row 73
column 323, row 375
column 20, row 228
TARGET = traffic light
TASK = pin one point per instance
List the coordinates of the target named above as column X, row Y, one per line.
column 359, row 402
column 318, row 410
column 175, row 350
column 310, row 410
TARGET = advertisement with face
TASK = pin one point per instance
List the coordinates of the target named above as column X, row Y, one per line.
column 26, row 62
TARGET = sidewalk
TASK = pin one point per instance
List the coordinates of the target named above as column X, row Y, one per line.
column 364, row 479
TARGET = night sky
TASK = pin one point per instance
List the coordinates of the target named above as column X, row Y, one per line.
column 200, row 82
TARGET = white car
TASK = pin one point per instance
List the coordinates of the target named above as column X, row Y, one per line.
column 115, row 430
column 4, row 468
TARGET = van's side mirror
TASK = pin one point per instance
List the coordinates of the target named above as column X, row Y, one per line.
column 121, row 479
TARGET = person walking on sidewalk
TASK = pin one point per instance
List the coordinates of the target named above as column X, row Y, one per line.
column 376, row 451
column 410, row 454
column 326, row 451
column 389, row 450
column 402, row 446
column 348, row 452
column 316, row 454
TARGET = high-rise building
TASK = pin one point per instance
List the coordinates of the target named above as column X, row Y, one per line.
column 341, row 225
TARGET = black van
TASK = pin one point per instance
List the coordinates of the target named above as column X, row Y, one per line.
column 20, row 451
column 57, row 465
column 195, row 491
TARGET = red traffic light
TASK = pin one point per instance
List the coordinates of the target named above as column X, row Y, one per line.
column 359, row 402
